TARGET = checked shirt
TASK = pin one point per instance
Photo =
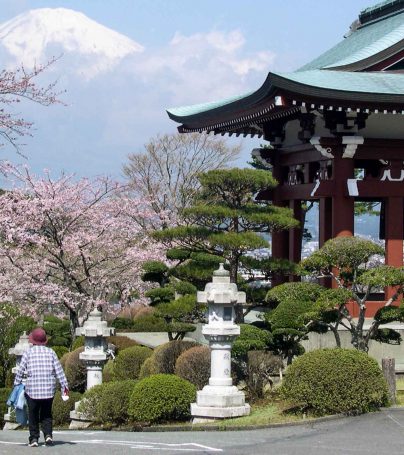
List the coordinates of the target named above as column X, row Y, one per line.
column 41, row 367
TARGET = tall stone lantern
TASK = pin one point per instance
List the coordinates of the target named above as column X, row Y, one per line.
column 95, row 332
column 220, row 399
column 18, row 350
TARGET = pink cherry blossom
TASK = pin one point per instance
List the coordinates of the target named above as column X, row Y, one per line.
column 69, row 245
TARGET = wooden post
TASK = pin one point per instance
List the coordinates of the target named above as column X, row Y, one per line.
column 389, row 372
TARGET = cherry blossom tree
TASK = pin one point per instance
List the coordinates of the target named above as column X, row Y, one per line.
column 72, row 245
column 19, row 85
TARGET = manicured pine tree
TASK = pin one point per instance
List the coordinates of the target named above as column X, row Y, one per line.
column 226, row 221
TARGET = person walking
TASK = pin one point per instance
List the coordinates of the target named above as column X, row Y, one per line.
column 41, row 367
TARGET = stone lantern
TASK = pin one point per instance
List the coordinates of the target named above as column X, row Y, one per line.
column 18, row 350
column 95, row 332
column 220, row 399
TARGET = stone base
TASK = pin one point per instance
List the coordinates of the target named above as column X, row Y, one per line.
column 204, row 414
column 220, row 397
column 10, row 423
column 219, row 402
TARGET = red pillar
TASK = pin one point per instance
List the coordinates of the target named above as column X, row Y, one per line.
column 325, row 230
column 394, row 229
column 342, row 204
column 295, row 235
column 325, row 220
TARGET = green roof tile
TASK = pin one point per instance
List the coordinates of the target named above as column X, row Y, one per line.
column 363, row 43
column 377, row 82
column 184, row 111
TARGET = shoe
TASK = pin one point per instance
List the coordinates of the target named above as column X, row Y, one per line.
column 48, row 441
column 33, row 443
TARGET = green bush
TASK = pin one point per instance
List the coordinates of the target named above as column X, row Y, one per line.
column 4, row 394
column 77, row 343
column 167, row 354
column 251, row 339
column 114, row 401
column 128, row 362
column 75, row 370
column 161, row 397
column 108, row 371
column 89, row 403
column 329, row 381
column 194, row 366
column 148, row 368
column 122, row 323
column 121, row 342
column 58, row 331
column 60, row 351
column 108, row 402
column 61, row 409
column 149, row 323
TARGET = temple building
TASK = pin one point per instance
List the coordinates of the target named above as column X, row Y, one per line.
column 336, row 130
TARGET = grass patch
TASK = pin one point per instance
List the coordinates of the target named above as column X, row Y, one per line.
column 262, row 413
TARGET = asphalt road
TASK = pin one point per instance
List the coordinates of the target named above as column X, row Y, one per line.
column 379, row 433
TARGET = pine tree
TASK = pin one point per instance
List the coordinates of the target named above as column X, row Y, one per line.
column 226, row 221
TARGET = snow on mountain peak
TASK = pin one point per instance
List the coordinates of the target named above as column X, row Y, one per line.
column 37, row 35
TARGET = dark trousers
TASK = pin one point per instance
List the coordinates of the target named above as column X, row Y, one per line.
column 39, row 412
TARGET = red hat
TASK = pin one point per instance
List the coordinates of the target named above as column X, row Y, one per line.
column 38, row 337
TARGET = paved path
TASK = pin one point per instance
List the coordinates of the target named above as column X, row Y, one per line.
column 379, row 433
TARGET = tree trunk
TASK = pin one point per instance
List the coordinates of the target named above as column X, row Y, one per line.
column 389, row 372
column 74, row 323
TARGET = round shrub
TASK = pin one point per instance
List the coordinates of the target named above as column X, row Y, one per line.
column 194, row 366
column 128, row 362
column 75, row 370
column 90, row 401
column 114, row 402
column 108, row 371
column 4, row 394
column 60, row 351
column 167, row 354
column 121, row 342
column 78, row 342
column 161, row 397
column 61, row 409
column 337, row 380
column 148, row 368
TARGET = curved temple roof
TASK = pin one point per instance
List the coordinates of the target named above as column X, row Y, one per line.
column 345, row 75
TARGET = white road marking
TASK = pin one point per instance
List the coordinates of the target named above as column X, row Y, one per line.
column 394, row 420
column 184, row 447
column 85, row 433
column 15, row 443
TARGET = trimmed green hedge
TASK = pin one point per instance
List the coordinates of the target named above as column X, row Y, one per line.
column 167, row 354
column 161, row 397
column 108, row 402
column 329, row 381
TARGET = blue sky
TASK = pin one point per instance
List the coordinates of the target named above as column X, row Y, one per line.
column 246, row 39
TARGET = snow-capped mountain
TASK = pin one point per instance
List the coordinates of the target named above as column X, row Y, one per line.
column 35, row 35
column 115, row 93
